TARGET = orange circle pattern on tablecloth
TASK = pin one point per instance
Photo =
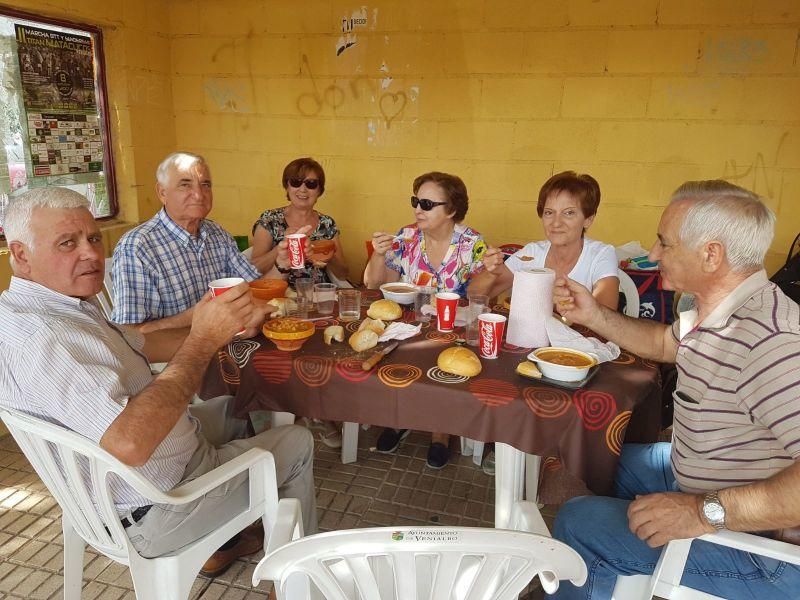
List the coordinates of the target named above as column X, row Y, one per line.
column 349, row 368
column 314, row 371
column 228, row 368
column 547, row 403
column 493, row 392
column 242, row 350
column 624, row 358
column 615, row 434
column 399, row 376
column 439, row 376
column 512, row 349
column 595, row 408
column 323, row 323
column 352, row 326
column 275, row 366
column 438, row 336
column 551, row 463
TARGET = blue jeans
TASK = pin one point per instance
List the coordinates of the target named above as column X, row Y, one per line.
column 597, row 528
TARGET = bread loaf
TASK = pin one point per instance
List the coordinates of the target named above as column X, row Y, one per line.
column 386, row 310
column 363, row 340
column 375, row 325
column 529, row 369
column 459, row 361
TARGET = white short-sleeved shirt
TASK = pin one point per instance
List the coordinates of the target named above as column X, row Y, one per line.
column 597, row 261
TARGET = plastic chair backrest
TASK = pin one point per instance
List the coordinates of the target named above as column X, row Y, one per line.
column 370, row 248
column 419, row 562
column 76, row 471
column 105, row 297
column 628, row 289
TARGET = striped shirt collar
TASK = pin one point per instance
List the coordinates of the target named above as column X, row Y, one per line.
column 179, row 233
column 722, row 313
column 31, row 289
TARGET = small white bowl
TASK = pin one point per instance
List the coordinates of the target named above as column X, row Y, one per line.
column 554, row 370
column 402, row 293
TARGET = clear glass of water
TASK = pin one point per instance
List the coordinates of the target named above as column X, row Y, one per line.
column 349, row 305
column 478, row 304
column 305, row 288
column 325, row 297
column 298, row 307
column 423, row 298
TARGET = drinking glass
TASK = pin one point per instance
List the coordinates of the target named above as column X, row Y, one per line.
column 478, row 304
column 349, row 305
column 305, row 288
column 325, row 297
column 423, row 298
column 298, row 307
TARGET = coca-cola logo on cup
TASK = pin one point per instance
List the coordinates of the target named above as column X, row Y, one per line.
column 487, row 338
column 295, row 253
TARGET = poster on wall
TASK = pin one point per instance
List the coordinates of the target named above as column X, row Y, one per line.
column 57, row 70
column 63, row 143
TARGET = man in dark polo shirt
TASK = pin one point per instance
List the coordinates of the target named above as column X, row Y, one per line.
column 733, row 460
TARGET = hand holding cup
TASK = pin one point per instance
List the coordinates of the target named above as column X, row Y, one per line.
column 574, row 302
column 218, row 318
column 282, row 260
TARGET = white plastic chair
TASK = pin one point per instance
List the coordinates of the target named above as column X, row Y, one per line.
column 666, row 579
column 408, row 563
column 105, row 297
column 76, row 471
column 628, row 289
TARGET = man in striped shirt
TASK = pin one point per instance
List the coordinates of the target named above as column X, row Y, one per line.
column 733, row 460
column 162, row 267
column 60, row 360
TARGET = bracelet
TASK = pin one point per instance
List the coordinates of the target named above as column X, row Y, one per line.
column 281, row 270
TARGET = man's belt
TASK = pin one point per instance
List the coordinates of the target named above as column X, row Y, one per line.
column 136, row 514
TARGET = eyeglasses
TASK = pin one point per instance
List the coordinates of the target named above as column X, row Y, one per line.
column 311, row 184
column 424, row 203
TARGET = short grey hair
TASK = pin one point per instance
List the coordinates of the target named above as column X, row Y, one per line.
column 730, row 214
column 17, row 223
column 182, row 160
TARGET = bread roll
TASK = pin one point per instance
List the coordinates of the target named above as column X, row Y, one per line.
column 386, row 310
column 334, row 332
column 363, row 340
column 529, row 369
column 284, row 305
column 459, row 361
column 375, row 325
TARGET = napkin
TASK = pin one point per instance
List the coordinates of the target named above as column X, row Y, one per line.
column 532, row 305
column 565, row 337
column 462, row 312
column 399, row 331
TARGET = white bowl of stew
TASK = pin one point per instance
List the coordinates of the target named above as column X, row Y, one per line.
column 564, row 364
column 402, row 293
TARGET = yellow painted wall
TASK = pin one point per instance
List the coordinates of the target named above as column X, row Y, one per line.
column 642, row 94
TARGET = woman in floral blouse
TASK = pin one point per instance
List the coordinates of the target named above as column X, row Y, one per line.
column 437, row 250
column 304, row 182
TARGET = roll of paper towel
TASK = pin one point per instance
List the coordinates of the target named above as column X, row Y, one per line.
column 531, row 306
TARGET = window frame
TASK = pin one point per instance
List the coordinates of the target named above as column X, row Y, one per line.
column 96, row 32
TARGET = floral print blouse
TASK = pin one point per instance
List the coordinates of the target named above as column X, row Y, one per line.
column 274, row 221
column 461, row 261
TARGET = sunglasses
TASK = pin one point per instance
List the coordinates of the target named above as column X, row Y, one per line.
column 311, row 184
column 424, row 203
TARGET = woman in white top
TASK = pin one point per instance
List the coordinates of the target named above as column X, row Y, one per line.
column 567, row 206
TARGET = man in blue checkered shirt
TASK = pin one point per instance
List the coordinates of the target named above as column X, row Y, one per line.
column 162, row 268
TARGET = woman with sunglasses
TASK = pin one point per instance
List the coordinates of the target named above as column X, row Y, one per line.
column 567, row 206
column 304, row 182
column 436, row 250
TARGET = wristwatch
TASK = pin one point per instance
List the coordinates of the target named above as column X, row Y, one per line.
column 713, row 510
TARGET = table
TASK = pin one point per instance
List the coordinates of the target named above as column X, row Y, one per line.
column 585, row 428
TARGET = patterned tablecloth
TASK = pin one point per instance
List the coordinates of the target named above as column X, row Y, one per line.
column 584, row 428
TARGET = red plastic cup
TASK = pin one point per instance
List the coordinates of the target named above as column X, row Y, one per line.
column 490, row 334
column 297, row 250
column 446, row 305
column 220, row 286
